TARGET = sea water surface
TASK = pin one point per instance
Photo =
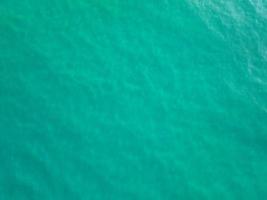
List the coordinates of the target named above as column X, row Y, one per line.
column 133, row 100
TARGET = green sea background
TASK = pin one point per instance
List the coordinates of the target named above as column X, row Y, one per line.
column 133, row 100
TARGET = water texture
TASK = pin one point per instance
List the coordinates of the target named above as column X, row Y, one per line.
column 147, row 100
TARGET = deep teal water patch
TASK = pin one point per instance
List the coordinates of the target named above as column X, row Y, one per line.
column 115, row 99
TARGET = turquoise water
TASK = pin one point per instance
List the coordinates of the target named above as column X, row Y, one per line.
column 127, row 100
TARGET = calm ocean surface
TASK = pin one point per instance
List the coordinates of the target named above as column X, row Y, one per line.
column 133, row 100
